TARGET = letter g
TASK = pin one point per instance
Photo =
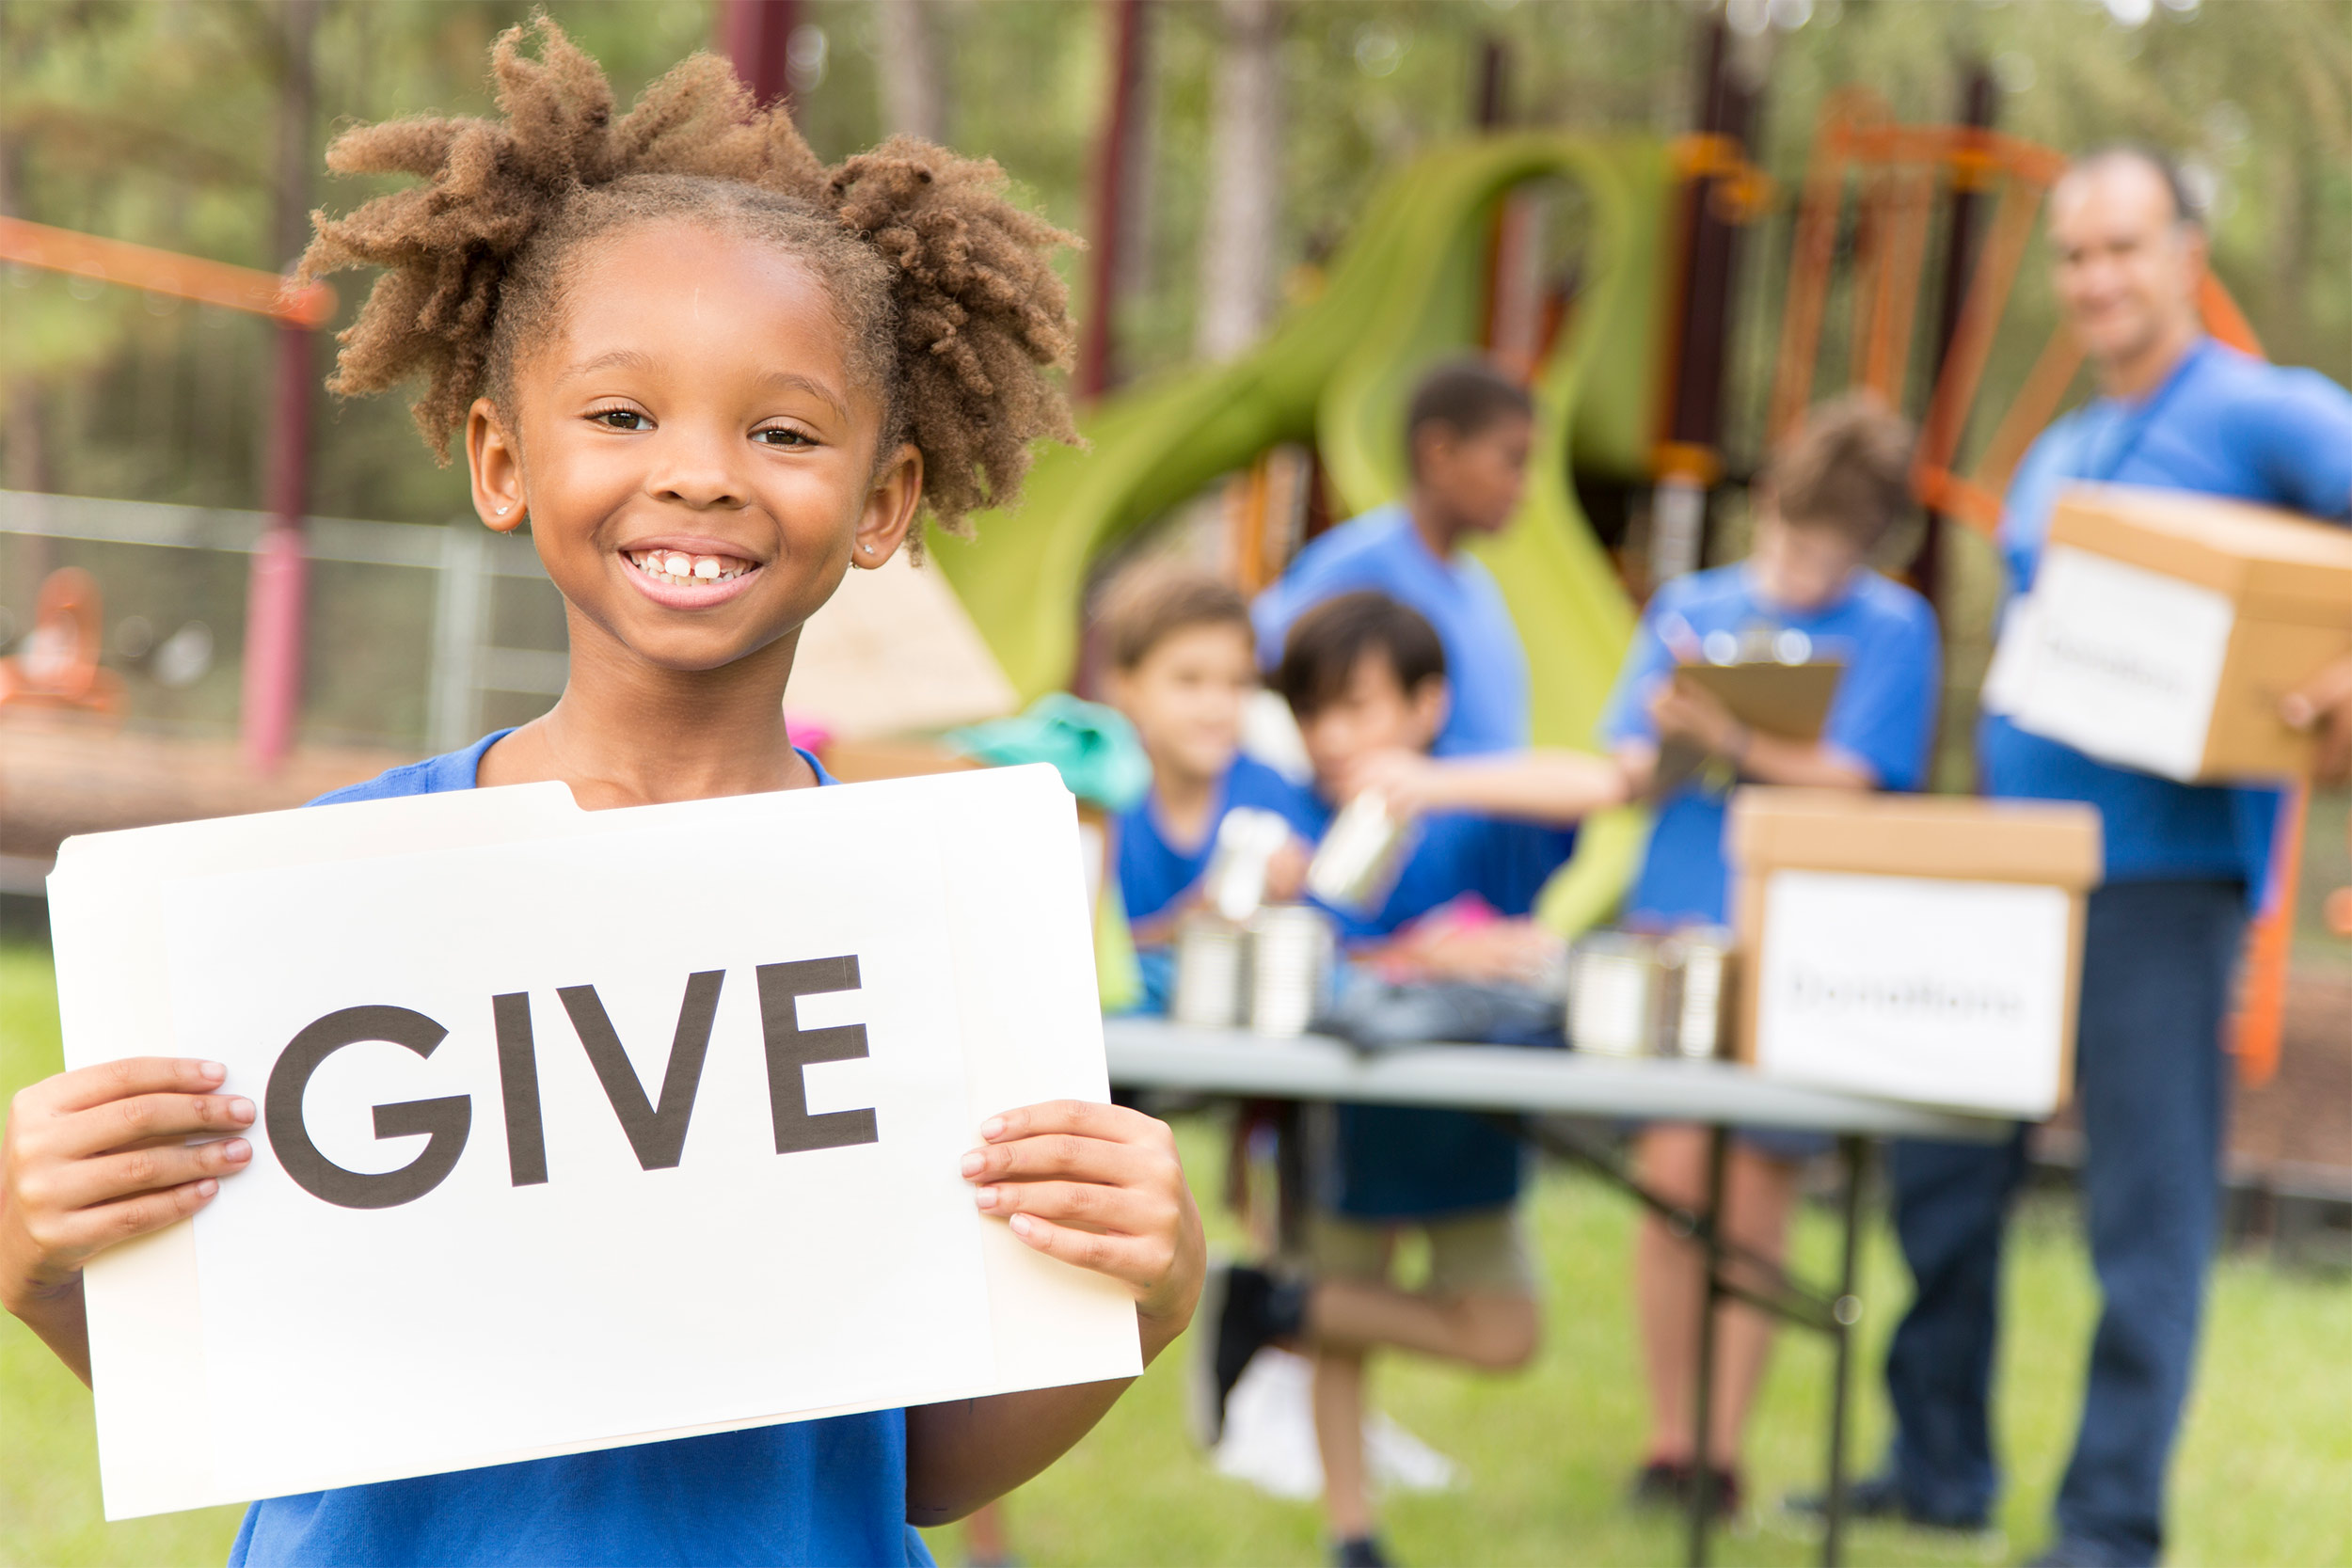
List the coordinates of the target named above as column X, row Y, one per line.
column 446, row 1121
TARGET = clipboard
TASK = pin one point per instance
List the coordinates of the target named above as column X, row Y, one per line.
column 1788, row 701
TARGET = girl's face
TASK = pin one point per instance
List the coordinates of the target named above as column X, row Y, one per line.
column 693, row 451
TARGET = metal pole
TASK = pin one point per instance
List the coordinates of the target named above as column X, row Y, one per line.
column 1845, row 1311
column 1710, row 1239
column 1969, row 181
column 757, row 37
column 1098, row 368
column 277, row 588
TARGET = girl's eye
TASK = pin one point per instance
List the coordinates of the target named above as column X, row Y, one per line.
column 786, row 438
column 620, row 419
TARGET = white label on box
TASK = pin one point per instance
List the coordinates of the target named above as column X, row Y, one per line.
column 2119, row 662
column 1944, row 992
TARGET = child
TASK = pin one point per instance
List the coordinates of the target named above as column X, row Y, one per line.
column 1181, row 670
column 1468, row 432
column 1364, row 675
column 1827, row 498
column 714, row 375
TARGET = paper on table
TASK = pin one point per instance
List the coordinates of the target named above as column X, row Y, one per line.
column 285, row 1343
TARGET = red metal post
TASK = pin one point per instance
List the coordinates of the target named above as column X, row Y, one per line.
column 1097, row 352
column 757, row 37
column 275, row 593
column 277, row 590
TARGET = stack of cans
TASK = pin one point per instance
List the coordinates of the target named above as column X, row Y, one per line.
column 1272, row 975
column 1636, row 995
column 1290, row 958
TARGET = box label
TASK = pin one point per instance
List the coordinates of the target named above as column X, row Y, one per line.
column 1944, row 992
column 2119, row 662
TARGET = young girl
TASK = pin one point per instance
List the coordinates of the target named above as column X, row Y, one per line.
column 714, row 375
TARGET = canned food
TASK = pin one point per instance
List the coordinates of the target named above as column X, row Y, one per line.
column 1616, row 994
column 1212, row 964
column 1699, row 962
column 1292, row 955
column 1356, row 862
column 1246, row 842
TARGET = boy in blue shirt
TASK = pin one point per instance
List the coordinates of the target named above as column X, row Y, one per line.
column 1365, row 675
column 1183, row 668
column 1468, row 434
column 1829, row 494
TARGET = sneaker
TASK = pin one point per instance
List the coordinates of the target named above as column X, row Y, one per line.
column 1661, row 1483
column 1880, row 1496
column 1245, row 1310
column 1360, row 1551
column 1728, row 1493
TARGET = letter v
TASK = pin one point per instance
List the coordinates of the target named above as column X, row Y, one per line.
column 658, row 1133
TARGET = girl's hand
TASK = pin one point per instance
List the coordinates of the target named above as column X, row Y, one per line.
column 99, row 1156
column 1286, row 872
column 1099, row 1186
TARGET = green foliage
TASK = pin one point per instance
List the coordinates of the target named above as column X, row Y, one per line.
column 2258, row 1479
column 157, row 121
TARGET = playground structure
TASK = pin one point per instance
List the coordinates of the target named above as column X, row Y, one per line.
column 1626, row 361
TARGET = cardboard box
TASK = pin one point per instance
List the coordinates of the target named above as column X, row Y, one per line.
column 2164, row 626
column 1921, row 947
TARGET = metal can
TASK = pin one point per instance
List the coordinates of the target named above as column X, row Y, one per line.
column 1292, row 955
column 1247, row 842
column 1358, row 860
column 1699, row 966
column 1212, row 967
column 1616, row 994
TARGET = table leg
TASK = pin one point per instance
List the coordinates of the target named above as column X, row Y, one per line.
column 1292, row 1181
column 1845, row 1310
column 1709, row 1238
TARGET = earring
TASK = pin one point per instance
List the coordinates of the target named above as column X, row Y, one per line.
column 504, row 510
column 868, row 549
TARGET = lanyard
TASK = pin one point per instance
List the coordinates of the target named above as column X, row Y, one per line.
column 2136, row 423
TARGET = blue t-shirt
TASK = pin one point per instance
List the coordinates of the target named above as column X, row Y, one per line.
column 826, row 1492
column 1411, row 1162
column 1155, row 872
column 2223, row 423
column 1884, row 714
column 1485, row 667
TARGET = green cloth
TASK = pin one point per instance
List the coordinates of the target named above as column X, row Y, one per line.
column 1093, row 747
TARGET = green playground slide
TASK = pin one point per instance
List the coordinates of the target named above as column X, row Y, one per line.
column 1408, row 289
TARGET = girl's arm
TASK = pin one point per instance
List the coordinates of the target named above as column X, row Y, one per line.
column 98, row 1156
column 1099, row 1186
column 1557, row 788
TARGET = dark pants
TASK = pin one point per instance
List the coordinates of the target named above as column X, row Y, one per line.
column 2149, row 1080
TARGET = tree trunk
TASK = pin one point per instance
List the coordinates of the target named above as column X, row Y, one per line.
column 1238, row 238
column 913, row 101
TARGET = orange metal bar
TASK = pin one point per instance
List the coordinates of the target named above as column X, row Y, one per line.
column 165, row 272
column 1910, row 197
column 1811, row 251
column 2260, row 1026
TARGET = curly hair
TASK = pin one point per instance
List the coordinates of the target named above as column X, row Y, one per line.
column 944, row 289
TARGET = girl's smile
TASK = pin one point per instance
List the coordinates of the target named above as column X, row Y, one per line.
column 690, row 573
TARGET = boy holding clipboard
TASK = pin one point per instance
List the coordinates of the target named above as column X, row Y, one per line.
column 1803, row 599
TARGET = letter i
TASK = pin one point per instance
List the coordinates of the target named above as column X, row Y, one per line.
column 519, row 1082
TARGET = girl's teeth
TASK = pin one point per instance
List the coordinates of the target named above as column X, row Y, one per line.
column 689, row 568
column 706, row 566
column 678, row 566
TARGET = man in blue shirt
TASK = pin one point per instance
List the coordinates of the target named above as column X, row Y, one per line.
column 1468, row 432
column 2179, row 411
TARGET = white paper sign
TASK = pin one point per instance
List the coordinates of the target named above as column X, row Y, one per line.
column 1943, row 993
column 590, row 1128
column 2119, row 662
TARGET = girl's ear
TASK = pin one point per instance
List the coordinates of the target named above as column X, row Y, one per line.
column 898, row 490
column 494, row 461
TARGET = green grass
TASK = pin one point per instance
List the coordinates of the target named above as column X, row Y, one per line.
column 2260, row 1480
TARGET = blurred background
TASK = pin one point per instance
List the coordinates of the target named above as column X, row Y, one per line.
column 1605, row 193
